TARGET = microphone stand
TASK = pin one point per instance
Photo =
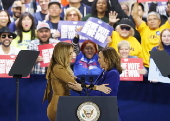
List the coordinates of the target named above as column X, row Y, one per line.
column 84, row 86
column 91, row 85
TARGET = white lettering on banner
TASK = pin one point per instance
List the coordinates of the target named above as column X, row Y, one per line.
column 86, row 27
column 92, row 30
column 71, row 31
column 2, row 66
column 7, row 70
column 130, row 73
column 100, row 37
column 9, row 62
column 47, row 54
column 101, row 34
column 130, row 69
column 5, row 65
column 133, row 66
column 64, row 31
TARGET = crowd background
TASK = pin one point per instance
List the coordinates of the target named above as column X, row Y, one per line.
column 137, row 100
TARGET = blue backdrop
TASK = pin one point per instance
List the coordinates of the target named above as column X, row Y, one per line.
column 138, row 101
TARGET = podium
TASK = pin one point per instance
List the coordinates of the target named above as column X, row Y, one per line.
column 87, row 108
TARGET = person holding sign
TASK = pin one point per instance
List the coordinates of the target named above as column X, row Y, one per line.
column 110, row 62
column 64, row 29
column 59, row 74
column 43, row 38
column 124, row 51
column 86, row 62
column 6, row 37
column 72, row 14
column 164, row 43
column 84, row 9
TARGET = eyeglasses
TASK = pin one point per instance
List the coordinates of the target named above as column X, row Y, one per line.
column 69, row 15
column 6, row 35
column 125, row 27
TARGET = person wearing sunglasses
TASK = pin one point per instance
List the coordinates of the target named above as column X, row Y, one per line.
column 6, row 37
column 125, row 31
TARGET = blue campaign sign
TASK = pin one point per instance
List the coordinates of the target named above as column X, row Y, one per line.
column 155, row 74
column 96, row 30
column 68, row 29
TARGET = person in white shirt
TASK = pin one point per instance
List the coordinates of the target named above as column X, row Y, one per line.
column 6, row 37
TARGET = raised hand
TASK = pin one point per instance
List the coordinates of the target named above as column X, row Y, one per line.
column 113, row 18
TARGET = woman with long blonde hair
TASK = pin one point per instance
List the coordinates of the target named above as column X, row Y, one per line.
column 59, row 74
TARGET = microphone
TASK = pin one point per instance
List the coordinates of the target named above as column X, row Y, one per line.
column 91, row 82
column 83, row 85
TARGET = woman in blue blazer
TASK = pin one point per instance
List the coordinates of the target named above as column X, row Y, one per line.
column 109, row 60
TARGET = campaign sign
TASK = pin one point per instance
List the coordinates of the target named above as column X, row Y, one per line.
column 68, row 30
column 96, row 30
column 155, row 74
column 130, row 69
column 140, row 1
column 46, row 52
column 6, row 62
column 160, row 8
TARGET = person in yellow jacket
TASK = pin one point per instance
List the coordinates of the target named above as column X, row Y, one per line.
column 124, row 31
column 150, row 31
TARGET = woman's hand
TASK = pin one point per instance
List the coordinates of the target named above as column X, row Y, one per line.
column 79, row 29
column 109, row 39
column 39, row 59
column 75, row 86
column 142, row 71
column 56, row 34
column 104, row 88
column 113, row 18
column 154, row 81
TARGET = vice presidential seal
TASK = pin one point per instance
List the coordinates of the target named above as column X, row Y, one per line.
column 88, row 111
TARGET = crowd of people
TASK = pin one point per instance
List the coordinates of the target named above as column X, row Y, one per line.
column 23, row 27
